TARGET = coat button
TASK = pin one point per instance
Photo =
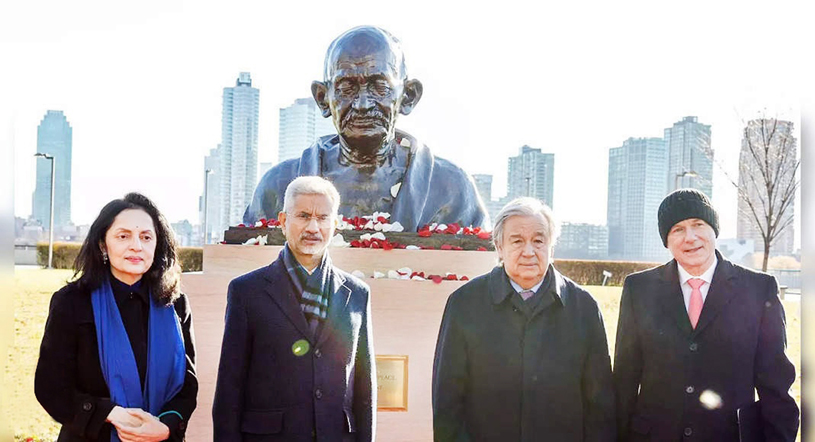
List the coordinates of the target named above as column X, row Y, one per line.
column 689, row 389
column 694, row 346
column 318, row 354
column 182, row 425
column 688, row 431
column 318, row 393
column 87, row 406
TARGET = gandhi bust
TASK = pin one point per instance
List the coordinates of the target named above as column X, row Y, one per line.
column 374, row 166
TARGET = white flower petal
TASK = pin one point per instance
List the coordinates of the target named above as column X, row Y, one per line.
column 397, row 227
column 358, row 274
column 395, row 189
column 413, row 248
column 378, row 275
column 378, row 235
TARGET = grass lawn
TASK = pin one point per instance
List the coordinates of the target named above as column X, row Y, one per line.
column 33, row 291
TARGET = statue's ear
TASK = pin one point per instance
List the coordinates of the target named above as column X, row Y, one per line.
column 411, row 95
column 318, row 91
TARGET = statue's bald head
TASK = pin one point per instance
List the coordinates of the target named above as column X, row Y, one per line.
column 365, row 41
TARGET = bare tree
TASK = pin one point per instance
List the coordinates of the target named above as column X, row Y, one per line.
column 768, row 178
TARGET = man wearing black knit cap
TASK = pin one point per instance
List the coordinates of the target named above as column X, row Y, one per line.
column 697, row 338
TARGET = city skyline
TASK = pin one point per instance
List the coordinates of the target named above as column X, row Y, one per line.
column 586, row 97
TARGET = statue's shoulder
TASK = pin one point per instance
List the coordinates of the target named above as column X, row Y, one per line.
column 280, row 175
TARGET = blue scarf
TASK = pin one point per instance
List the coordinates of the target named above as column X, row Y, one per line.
column 166, row 358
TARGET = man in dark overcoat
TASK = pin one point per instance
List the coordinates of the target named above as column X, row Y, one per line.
column 697, row 338
column 522, row 352
column 297, row 354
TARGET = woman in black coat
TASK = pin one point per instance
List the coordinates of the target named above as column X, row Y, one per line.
column 117, row 360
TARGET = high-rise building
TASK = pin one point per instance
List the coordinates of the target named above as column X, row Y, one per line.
column 55, row 138
column 582, row 241
column 781, row 142
column 239, row 149
column 483, row 183
column 690, row 158
column 212, row 193
column 531, row 173
column 636, row 186
column 301, row 124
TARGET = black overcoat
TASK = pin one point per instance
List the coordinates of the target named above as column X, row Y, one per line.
column 674, row 382
column 69, row 383
column 267, row 391
column 500, row 377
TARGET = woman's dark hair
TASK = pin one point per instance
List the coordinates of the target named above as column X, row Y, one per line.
column 163, row 277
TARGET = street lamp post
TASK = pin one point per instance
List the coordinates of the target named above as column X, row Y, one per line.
column 687, row 173
column 51, row 222
column 206, row 201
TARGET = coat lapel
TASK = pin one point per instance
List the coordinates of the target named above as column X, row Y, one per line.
column 281, row 290
column 719, row 295
column 337, row 305
column 673, row 301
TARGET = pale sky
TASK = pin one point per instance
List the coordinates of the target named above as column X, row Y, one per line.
column 141, row 84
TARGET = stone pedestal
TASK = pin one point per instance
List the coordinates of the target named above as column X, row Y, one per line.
column 406, row 318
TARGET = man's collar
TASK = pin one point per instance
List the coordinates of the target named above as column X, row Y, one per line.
column 706, row 276
column 501, row 285
column 520, row 289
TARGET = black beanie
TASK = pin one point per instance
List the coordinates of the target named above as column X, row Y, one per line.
column 683, row 204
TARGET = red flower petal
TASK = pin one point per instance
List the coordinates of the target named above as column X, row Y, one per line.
column 436, row 278
column 481, row 249
column 446, row 247
column 464, row 278
column 424, row 233
column 452, row 277
column 387, row 245
column 484, row 235
column 356, row 243
column 241, row 225
column 457, row 248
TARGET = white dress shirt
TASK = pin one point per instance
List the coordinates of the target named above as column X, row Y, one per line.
column 707, row 276
column 520, row 289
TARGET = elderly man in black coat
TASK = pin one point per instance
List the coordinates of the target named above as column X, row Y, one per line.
column 697, row 338
column 522, row 352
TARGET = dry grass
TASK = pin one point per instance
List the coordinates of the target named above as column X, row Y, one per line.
column 33, row 293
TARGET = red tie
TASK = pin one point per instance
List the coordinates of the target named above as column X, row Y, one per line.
column 695, row 305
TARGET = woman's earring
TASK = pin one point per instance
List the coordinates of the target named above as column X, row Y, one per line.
column 104, row 257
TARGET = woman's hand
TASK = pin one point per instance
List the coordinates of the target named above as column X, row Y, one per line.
column 119, row 417
column 147, row 427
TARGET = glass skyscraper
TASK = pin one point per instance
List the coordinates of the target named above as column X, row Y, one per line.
column 532, row 173
column 688, row 143
column 239, row 149
column 636, row 186
column 54, row 137
column 301, row 124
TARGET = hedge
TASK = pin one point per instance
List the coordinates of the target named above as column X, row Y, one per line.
column 583, row 272
column 65, row 254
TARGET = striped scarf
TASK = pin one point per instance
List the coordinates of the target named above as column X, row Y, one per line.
column 313, row 290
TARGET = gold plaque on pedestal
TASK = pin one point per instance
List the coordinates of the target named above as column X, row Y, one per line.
column 391, row 382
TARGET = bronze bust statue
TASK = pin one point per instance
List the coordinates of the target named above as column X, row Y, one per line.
column 375, row 167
